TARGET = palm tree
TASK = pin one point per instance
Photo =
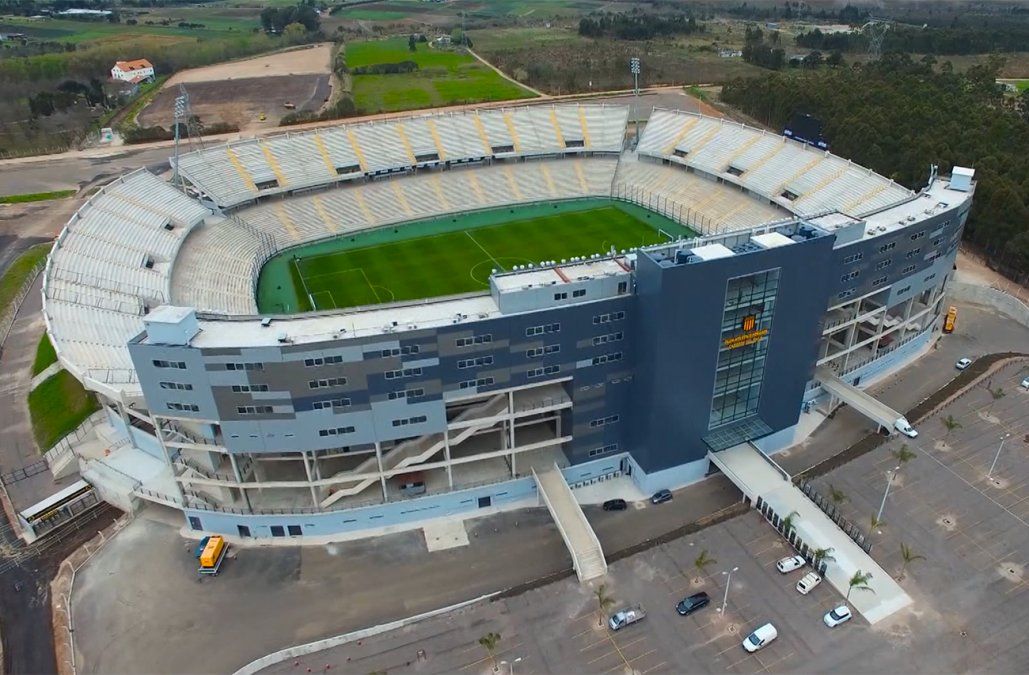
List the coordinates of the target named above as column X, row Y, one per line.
column 787, row 522
column 859, row 582
column 703, row 561
column 604, row 602
column 489, row 642
column 903, row 455
column 909, row 556
column 950, row 423
column 836, row 495
column 875, row 522
column 821, row 554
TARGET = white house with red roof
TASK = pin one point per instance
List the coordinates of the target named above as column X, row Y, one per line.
column 133, row 71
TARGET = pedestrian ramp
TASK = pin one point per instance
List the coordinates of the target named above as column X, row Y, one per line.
column 578, row 535
column 864, row 403
column 774, row 494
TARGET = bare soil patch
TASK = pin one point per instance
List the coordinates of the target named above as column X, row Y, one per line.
column 310, row 60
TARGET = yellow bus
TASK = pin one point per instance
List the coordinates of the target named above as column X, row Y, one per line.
column 950, row 320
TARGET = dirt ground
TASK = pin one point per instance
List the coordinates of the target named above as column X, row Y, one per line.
column 240, row 102
column 309, row 60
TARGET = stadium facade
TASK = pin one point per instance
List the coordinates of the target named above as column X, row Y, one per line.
column 635, row 363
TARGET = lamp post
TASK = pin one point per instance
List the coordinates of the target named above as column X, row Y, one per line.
column 989, row 474
column 510, row 665
column 892, row 474
column 634, row 68
column 725, row 597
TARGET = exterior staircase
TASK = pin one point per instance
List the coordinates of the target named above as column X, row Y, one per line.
column 587, row 555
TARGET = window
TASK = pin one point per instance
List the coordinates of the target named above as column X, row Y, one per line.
column 902, row 291
column 475, row 363
column 475, row 340
column 604, row 339
column 931, row 277
column 604, row 421
column 540, row 330
column 883, row 264
column 177, row 385
column 579, row 293
column 607, row 318
column 541, row 351
column 561, row 296
column 178, row 365
column 244, row 366
column 623, row 287
column 607, row 358
column 936, row 241
column 481, row 382
column 845, row 294
column 913, row 252
column 917, row 235
column 396, row 351
column 879, row 282
column 908, row 269
column 888, row 247
column 849, row 276
column 330, row 403
column 540, row 372
column 603, row 450
column 254, row 409
column 184, row 407
column 294, row 530
column 327, row 382
column 853, row 258
column 277, row 531
column 337, row 431
column 406, row 372
column 419, row 419
column 406, row 393
column 246, row 388
column 322, row 360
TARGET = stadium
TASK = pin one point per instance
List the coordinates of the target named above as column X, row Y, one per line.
column 376, row 324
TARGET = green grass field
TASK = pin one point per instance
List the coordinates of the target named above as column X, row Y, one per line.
column 450, row 256
column 45, row 355
column 444, row 77
column 57, row 407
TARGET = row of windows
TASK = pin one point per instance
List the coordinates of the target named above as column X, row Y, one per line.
column 607, row 358
column 544, row 370
column 476, row 362
column 853, row 258
column 327, row 382
column 888, row 247
column 850, row 275
column 330, row 403
column 913, row 252
column 418, row 419
column 475, row 340
column 177, row 385
column 406, row 372
column 481, row 382
column 540, row 351
column 917, row 235
column 247, row 388
column 336, row 431
column 603, row 450
column 396, row 351
column 882, row 264
column 322, row 360
column 604, row 421
column 184, row 407
column 604, row 339
column 244, row 366
column 406, row 393
column 540, row 330
column 607, row 318
column 254, row 409
column 879, row 282
column 909, row 269
column 575, row 294
column 178, row 365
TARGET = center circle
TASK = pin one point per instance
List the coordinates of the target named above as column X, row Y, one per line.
column 480, row 272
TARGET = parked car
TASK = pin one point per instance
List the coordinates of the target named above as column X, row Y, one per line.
column 837, row 615
column 787, row 565
column 760, row 638
column 625, row 617
column 810, row 580
column 661, row 496
column 692, row 603
column 963, row 363
column 1025, row 384
column 615, row 505
column 903, row 427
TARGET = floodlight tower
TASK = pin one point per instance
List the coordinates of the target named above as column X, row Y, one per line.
column 181, row 116
column 876, row 30
column 634, row 68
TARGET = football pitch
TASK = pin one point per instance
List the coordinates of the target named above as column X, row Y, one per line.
column 457, row 260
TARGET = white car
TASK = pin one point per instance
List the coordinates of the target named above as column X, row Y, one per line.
column 903, row 427
column 760, row 638
column 810, row 580
column 963, row 363
column 837, row 615
column 1025, row 384
column 787, row 565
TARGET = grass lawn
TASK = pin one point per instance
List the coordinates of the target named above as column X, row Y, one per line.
column 35, row 197
column 18, row 272
column 444, row 77
column 45, row 356
column 457, row 257
column 58, row 406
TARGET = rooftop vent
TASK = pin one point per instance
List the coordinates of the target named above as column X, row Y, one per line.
column 266, row 321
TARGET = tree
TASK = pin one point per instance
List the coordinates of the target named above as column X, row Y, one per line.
column 604, row 602
column 489, row 642
column 908, row 556
column 875, row 523
column 859, row 582
column 821, row 554
column 295, row 33
column 835, row 60
column 836, row 495
column 703, row 561
column 903, row 455
column 787, row 522
column 996, row 394
column 412, row 43
column 950, row 423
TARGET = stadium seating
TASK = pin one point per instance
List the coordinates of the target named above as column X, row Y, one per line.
column 803, row 179
column 239, row 172
column 113, row 261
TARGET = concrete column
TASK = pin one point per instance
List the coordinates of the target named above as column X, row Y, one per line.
column 446, row 458
column 307, row 470
column 382, row 476
column 239, row 479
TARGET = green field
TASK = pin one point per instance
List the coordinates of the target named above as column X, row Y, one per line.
column 450, row 255
column 57, row 407
column 444, row 77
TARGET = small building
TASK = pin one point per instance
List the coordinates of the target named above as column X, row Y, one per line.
column 443, row 41
column 135, row 72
